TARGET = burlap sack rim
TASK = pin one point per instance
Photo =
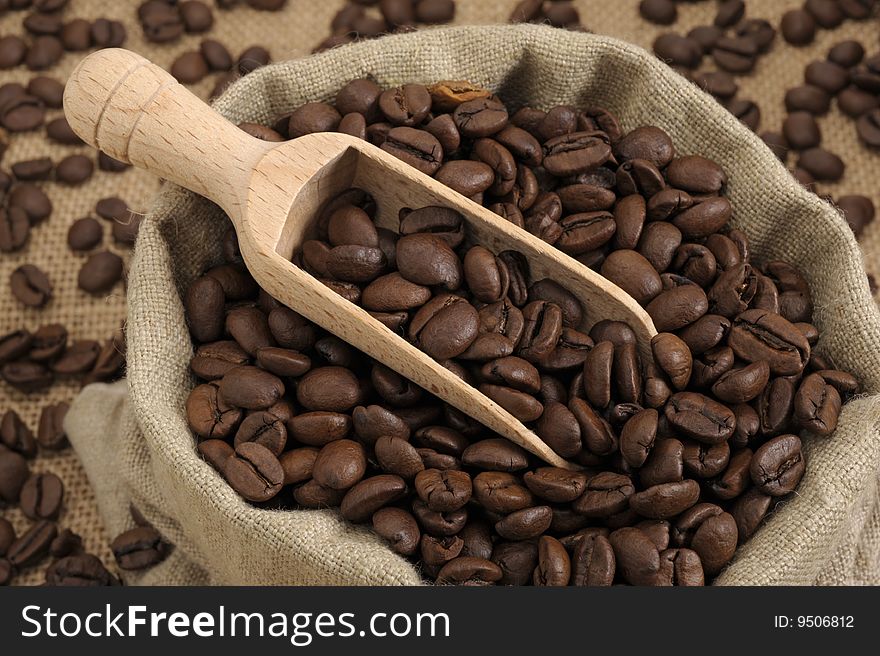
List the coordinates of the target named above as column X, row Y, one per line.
column 149, row 417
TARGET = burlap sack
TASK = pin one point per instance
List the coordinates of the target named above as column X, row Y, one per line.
column 828, row 533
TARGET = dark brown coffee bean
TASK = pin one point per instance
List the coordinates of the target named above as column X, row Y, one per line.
column 407, row 105
column 33, row 545
column 139, row 548
column 399, row 528
column 517, row 561
column 501, row 492
column 196, row 16
column 332, row 389
column 735, row 54
column 661, row 12
column 798, row 27
column 570, row 154
column 554, row 564
column 30, row 286
column 27, row 376
column 76, row 35
column 677, row 307
column 42, row 496
column 857, row 210
column 251, row 388
column 525, row 524
column 607, row 493
column 678, row 50
column 7, row 535
column 749, row 511
column 254, row 472
column 82, row 570
column 418, row 148
column 665, row 500
column 821, row 164
column 426, row 259
column 100, row 272
column 44, row 52
column 51, row 434
column 868, row 128
column 637, row 437
column 637, row 558
column 16, row 435
column 826, row 13
column 14, row 471
column 556, row 485
column 85, row 234
column 664, row 463
column 711, row 533
column 444, row 327
column 760, row 335
column 700, row 417
column 12, row 51
column 480, row 117
column 496, row 454
column 778, row 465
column 15, row 228
column 634, row 274
column 443, row 491
column 340, row 465
column 371, row 494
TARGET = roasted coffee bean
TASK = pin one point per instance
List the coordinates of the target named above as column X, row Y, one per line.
column 637, row 437
column 12, row 51
column 264, row 428
column 445, row 326
column 868, row 128
column 496, row 454
column 340, row 465
column 297, row 464
column 30, row 286
column 661, row 12
column 371, row 494
column 606, row 494
column 14, row 471
column 480, row 117
column 139, row 548
column 85, row 234
column 313, row 495
column 15, row 229
column 254, row 472
column 748, row 511
column 7, row 535
column 556, row 485
column 798, row 27
column 100, row 272
column 209, row 415
column 501, row 492
column 468, row 570
column 399, row 528
column 525, row 524
column 517, row 561
column 14, row 345
column 700, row 417
column 418, row 148
column 42, row 496
column 665, row 500
column 778, row 465
column 554, row 564
column 84, row 570
column 638, row 560
column 678, row 307
column 331, row 389
column 426, row 259
column 735, row 54
column 821, row 164
column 33, row 545
column 709, row 531
column 759, row 335
column 16, row 435
column 735, row 478
column 664, row 463
column 27, row 376
column 677, row 50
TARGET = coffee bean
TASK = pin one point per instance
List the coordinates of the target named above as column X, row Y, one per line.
column 868, row 128
column 801, row 131
column 14, row 471
column 661, row 12
column 677, row 50
column 84, row 570
column 399, row 528
column 826, row 13
column 371, row 494
column 100, row 272
column 735, row 54
column 196, row 16
column 846, row 53
column 51, row 434
column 340, row 465
column 808, row 98
column 12, row 51
column 139, row 548
column 42, row 496
column 730, row 12
column 15, row 229
column 798, row 27
column 637, row 558
column 108, row 33
column 857, row 210
column 27, row 376
column 33, row 545
column 827, row 76
column 30, row 286
column 189, row 67
column 748, row 511
column 44, row 52
column 74, row 169
column 760, row 335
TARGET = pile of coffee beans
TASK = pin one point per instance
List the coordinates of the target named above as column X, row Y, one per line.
column 683, row 454
column 356, row 21
column 735, row 42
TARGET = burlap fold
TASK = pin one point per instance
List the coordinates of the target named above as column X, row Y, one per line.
column 829, row 532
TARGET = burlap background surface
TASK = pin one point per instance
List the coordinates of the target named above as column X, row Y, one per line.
column 292, row 34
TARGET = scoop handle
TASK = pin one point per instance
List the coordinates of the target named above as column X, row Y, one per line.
column 134, row 111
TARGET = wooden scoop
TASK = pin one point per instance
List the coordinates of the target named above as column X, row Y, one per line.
column 135, row 112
